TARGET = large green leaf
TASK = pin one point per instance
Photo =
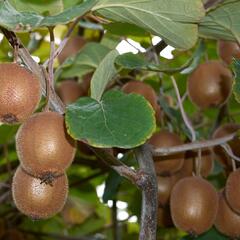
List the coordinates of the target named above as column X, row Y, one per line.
column 222, row 22
column 236, row 85
column 173, row 20
column 17, row 21
column 118, row 120
column 103, row 75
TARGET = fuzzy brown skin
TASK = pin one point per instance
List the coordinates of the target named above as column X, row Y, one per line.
column 69, row 91
column 165, row 185
column 232, row 190
column 221, row 155
column 43, row 145
column 143, row 89
column 167, row 165
column 38, row 200
column 206, row 164
column 210, row 85
column 74, row 44
column 20, row 93
column 194, row 205
column 227, row 50
column 227, row 221
column 164, row 219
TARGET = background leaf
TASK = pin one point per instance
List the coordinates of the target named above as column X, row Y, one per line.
column 236, row 85
column 171, row 20
column 223, row 22
column 103, row 75
column 118, row 120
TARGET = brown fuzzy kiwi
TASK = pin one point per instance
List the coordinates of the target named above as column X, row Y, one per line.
column 36, row 199
column 143, row 89
column 165, row 185
column 227, row 50
column 69, row 91
column 86, row 82
column 207, row 162
column 20, row 93
column 210, row 85
column 164, row 218
column 193, row 205
column 227, row 221
column 221, row 155
column 74, row 44
column 167, row 165
column 232, row 191
column 43, row 145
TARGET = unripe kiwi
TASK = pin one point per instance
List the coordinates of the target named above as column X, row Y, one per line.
column 74, row 44
column 210, row 84
column 43, row 145
column 206, row 163
column 232, row 190
column 221, row 155
column 167, row 165
column 227, row 221
column 165, row 185
column 193, row 205
column 20, row 93
column 69, row 91
column 227, row 50
column 143, row 89
column 36, row 199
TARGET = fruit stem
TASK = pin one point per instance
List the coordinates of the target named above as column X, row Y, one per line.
column 184, row 115
column 198, row 163
column 229, row 151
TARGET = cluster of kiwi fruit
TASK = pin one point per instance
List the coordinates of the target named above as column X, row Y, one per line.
column 44, row 148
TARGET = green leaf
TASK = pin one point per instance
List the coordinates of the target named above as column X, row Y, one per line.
column 222, row 22
column 7, row 132
column 85, row 61
column 26, row 21
column 103, row 75
column 118, row 120
column 137, row 61
column 174, row 21
column 236, row 85
column 43, row 7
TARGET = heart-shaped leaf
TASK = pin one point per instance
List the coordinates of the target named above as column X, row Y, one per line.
column 118, row 120
column 174, row 21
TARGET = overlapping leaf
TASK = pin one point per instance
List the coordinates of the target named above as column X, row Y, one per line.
column 173, row 20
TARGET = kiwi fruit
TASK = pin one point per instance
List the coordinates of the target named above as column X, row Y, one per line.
column 69, row 91
column 143, row 89
column 167, row 165
column 20, row 93
column 227, row 221
column 164, row 218
column 221, row 155
column 232, row 191
column 193, row 205
column 44, row 146
column 36, row 199
column 165, row 185
column 207, row 162
column 86, row 82
column 74, row 44
column 210, row 85
column 227, row 50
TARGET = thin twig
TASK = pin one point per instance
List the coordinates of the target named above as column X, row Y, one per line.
column 51, row 59
column 64, row 41
column 184, row 116
column 229, row 152
column 193, row 145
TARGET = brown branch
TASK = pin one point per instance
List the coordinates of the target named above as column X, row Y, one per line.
column 193, row 145
column 149, row 189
